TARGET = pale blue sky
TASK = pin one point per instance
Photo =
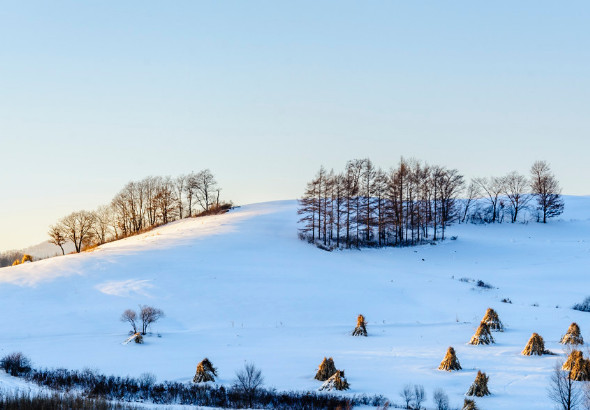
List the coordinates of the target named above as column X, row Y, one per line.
column 96, row 93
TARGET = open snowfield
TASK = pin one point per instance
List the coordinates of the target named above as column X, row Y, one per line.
column 241, row 287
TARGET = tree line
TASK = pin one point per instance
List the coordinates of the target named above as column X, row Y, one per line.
column 139, row 206
column 415, row 202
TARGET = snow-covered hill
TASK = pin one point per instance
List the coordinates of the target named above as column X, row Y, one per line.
column 241, row 287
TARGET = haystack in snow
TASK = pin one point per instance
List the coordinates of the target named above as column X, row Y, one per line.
column 482, row 335
column 336, row 382
column 326, row 369
column 205, row 372
column 572, row 358
column 493, row 321
column 450, row 362
column 138, row 338
column 573, row 336
column 361, row 327
column 479, row 388
column 578, row 367
column 469, row 404
column 535, row 346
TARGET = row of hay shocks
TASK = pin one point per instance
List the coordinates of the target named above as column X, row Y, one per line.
column 576, row 364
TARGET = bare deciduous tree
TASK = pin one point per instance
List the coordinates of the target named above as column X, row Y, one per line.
column 207, row 190
column 419, row 396
column 249, row 380
column 545, row 188
column 407, row 395
column 563, row 390
column 516, row 189
column 130, row 317
column 149, row 315
column 441, row 400
column 57, row 237
column 77, row 227
column 493, row 188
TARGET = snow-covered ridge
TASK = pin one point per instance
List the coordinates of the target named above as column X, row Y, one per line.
column 241, row 287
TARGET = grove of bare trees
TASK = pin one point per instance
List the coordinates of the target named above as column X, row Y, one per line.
column 140, row 205
column 415, row 202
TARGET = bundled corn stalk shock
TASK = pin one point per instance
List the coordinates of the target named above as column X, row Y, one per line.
column 336, row 382
column 493, row 321
column 479, row 388
column 578, row 366
column 573, row 336
column 469, row 404
column 450, row 362
column 205, row 372
column 138, row 338
column 325, row 370
column 482, row 335
column 361, row 327
column 535, row 346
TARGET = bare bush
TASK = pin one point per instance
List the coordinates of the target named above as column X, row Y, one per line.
column 16, row 364
column 248, row 381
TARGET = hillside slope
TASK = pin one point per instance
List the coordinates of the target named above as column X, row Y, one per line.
column 241, row 287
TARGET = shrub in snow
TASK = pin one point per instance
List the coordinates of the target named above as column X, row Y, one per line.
column 336, row 382
column 584, row 306
column 16, row 364
column 573, row 336
column 205, row 372
column 535, row 346
column 326, row 369
column 450, row 362
column 479, row 388
column 469, row 404
column 26, row 258
column 492, row 319
column 361, row 327
column 482, row 336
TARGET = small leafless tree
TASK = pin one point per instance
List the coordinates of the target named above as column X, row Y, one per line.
column 441, row 400
column 471, row 193
column 102, row 223
column 493, row 188
column 563, row 390
column 249, row 380
column 207, row 190
column 516, row 189
column 149, row 315
column 407, row 395
column 545, row 188
column 57, row 237
column 419, row 396
column 180, row 187
column 77, row 227
column 130, row 317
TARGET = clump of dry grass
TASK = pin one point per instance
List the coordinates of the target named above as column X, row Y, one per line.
column 482, row 335
column 479, row 388
column 361, row 327
column 573, row 336
column 450, row 362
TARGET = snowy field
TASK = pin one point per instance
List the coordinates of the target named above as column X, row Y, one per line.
column 241, row 287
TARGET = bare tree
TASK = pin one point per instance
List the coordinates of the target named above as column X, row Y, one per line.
column 545, row 188
column 419, row 396
column 249, row 380
column 149, row 315
column 57, row 237
column 77, row 227
column 180, row 186
column 130, row 317
column 102, row 223
column 407, row 395
column 471, row 194
column 516, row 189
column 207, row 190
column 493, row 188
column 441, row 400
column 563, row 390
